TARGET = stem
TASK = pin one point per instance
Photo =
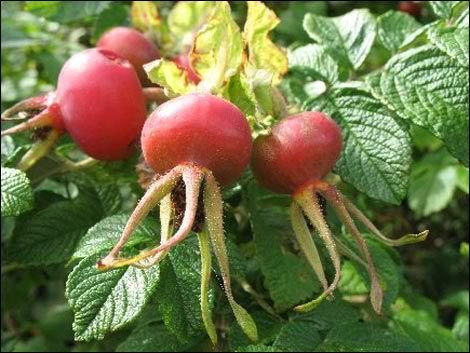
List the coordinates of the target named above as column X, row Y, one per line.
column 308, row 200
column 42, row 119
column 214, row 223
column 155, row 94
column 206, row 259
column 65, row 166
column 404, row 240
column 334, row 197
column 33, row 103
column 38, row 151
column 257, row 297
column 306, row 243
column 166, row 213
column 159, row 189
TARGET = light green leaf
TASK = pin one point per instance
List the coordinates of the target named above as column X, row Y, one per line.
column 145, row 16
column 462, row 179
column 351, row 35
column 376, row 154
column 103, row 302
column 172, row 78
column 154, row 337
column 314, row 58
column 453, row 41
column 217, row 51
column 262, row 52
column 103, row 235
column 186, row 18
column 17, row 195
column 178, row 291
column 429, row 88
column 393, row 27
column 432, row 183
column 51, row 235
column 442, row 9
column 460, row 14
column 287, row 276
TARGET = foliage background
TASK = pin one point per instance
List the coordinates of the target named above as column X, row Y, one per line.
column 428, row 282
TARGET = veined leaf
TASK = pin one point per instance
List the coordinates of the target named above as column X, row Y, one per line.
column 167, row 74
column 17, row 195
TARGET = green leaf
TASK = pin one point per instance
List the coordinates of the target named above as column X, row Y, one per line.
column 51, row 235
column 287, row 276
column 262, row 52
column 66, row 11
column 290, row 27
column 103, row 302
column 393, row 27
column 365, row 337
column 258, row 348
column 326, row 315
column 432, row 183
column 104, row 235
column 453, row 41
column 442, row 9
column 172, row 78
column 115, row 15
column 17, row 195
column 154, row 337
column 351, row 35
column 426, row 86
column 429, row 335
column 297, row 336
column 216, row 54
column 178, row 291
column 376, row 154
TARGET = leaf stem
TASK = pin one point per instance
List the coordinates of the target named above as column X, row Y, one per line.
column 214, row 224
column 335, row 198
column 306, row 243
column 308, row 200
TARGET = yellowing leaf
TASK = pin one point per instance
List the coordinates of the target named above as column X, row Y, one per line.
column 218, row 49
column 186, row 18
column 262, row 52
column 168, row 75
column 144, row 15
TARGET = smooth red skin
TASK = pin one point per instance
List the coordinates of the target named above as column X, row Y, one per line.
column 300, row 150
column 182, row 61
column 101, row 103
column 133, row 46
column 410, row 7
column 198, row 129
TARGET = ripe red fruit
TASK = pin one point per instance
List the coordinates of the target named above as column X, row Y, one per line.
column 182, row 61
column 101, row 102
column 294, row 158
column 412, row 8
column 301, row 149
column 203, row 141
column 98, row 101
column 198, row 129
column 131, row 45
